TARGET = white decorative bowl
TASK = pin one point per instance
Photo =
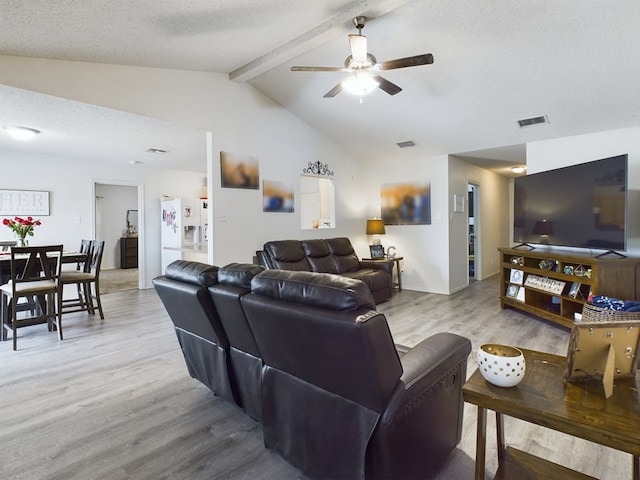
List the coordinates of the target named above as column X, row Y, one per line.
column 501, row 365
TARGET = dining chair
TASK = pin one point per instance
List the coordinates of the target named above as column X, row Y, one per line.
column 35, row 273
column 87, row 281
column 5, row 246
column 82, row 265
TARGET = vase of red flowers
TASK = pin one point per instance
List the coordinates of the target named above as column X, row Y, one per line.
column 22, row 227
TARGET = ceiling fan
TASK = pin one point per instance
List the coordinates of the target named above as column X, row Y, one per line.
column 363, row 67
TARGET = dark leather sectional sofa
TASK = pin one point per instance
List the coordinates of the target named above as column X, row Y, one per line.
column 308, row 355
column 333, row 255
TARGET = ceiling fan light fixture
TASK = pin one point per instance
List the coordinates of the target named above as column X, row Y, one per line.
column 358, row 45
column 21, row 133
column 360, row 83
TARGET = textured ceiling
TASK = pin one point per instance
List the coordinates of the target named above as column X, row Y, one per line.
column 92, row 133
column 578, row 62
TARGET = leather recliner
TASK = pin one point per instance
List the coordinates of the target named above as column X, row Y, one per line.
column 338, row 401
column 234, row 281
column 184, row 291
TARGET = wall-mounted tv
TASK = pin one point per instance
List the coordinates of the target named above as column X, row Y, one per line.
column 582, row 205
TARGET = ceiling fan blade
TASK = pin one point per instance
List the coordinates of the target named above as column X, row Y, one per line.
column 387, row 86
column 334, row 91
column 316, row 69
column 358, row 44
column 417, row 60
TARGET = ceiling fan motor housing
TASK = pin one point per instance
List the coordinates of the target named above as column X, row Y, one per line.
column 359, row 22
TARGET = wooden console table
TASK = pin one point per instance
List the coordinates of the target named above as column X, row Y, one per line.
column 610, row 275
column 578, row 409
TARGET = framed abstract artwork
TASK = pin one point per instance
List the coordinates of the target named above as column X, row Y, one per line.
column 277, row 196
column 239, row 171
column 406, row 204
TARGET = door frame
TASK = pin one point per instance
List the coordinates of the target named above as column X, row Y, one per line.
column 141, row 224
column 477, row 230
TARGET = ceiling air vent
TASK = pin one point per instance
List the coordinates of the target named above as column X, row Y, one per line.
column 408, row 143
column 530, row 122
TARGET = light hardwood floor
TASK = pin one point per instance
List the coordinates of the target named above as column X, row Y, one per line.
column 114, row 399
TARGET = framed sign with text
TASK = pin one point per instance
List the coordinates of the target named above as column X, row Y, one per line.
column 24, row 202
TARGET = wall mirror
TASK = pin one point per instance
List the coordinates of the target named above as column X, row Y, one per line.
column 317, row 202
column 132, row 222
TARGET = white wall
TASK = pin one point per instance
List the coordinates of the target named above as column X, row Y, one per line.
column 425, row 248
column 549, row 154
column 492, row 221
column 70, row 182
column 242, row 121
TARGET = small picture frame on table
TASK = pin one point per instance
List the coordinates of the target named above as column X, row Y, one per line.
column 377, row 251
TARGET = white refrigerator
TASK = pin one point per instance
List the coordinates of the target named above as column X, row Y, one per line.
column 180, row 230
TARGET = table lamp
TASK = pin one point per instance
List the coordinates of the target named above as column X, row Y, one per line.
column 375, row 227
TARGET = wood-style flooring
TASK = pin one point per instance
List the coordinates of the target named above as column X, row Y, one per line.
column 114, row 399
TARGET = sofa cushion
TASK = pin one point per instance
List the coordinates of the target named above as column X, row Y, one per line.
column 344, row 256
column 319, row 256
column 195, row 273
column 238, row 274
column 324, row 290
column 287, row 255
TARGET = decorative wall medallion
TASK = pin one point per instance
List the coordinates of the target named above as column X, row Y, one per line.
column 317, row 168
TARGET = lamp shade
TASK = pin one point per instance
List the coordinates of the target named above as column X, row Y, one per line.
column 542, row 227
column 375, row 226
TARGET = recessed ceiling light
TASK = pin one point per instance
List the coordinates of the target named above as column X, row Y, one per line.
column 157, row 151
column 21, row 133
column 518, row 169
column 135, row 162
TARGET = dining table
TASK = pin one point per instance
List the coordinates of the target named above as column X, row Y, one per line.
column 5, row 268
column 5, row 262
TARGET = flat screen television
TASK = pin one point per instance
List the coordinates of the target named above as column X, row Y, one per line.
column 582, row 205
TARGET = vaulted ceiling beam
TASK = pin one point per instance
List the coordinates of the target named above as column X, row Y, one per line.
column 313, row 38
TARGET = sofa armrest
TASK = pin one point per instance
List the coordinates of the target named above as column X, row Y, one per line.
column 386, row 265
column 263, row 260
column 423, row 421
column 432, row 358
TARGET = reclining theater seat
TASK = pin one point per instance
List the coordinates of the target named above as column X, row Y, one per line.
column 338, row 402
column 234, row 281
column 284, row 255
column 184, row 292
column 335, row 255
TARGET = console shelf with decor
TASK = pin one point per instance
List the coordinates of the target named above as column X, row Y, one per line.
column 555, row 284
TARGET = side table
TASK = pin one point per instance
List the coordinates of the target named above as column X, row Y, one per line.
column 578, row 409
column 396, row 261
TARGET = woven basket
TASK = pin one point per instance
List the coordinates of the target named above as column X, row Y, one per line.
column 591, row 313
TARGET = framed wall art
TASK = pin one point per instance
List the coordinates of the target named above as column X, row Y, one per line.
column 277, row 196
column 406, row 204
column 239, row 171
column 24, row 202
